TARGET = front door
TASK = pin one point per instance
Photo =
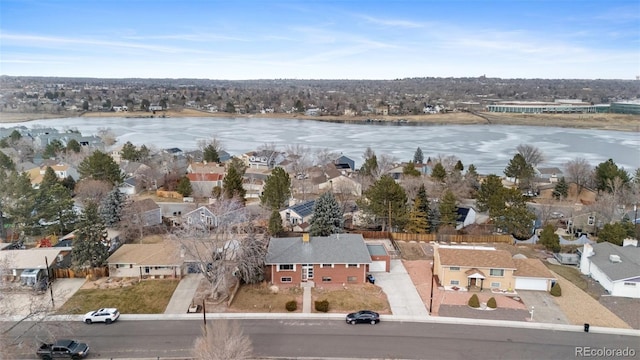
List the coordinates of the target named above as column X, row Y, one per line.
column 472, row 282
column 307, row 272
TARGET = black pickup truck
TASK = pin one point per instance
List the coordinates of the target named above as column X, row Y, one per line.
column 63, row 349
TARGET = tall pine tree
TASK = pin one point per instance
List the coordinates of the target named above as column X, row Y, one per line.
column 277, row 189
column 90, row 248
column 418, row 219
column 448, row 209
column 327, row 216
column 111, row 207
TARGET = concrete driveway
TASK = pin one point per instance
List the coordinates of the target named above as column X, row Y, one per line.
column 401, row 293
column 26, row 301
column 545, row 309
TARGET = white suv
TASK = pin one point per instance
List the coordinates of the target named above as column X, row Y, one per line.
column 106, row 315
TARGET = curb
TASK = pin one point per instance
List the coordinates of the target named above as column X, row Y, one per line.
column 316, row 316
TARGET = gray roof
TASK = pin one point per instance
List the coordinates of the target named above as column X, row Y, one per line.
column 333, row 249
column 628, row 268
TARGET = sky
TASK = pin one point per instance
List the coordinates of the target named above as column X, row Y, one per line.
column 312, row 39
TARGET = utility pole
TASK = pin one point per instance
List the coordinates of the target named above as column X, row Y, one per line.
column 46, row 262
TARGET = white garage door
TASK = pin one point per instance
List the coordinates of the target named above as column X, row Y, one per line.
column 378, row 266
column 531, row 284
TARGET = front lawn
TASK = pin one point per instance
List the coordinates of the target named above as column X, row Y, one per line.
column 145, row 297
column 352, row 298
column 260, row 298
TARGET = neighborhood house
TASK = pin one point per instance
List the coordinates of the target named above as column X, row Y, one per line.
column 616, row 268
column 335, row 259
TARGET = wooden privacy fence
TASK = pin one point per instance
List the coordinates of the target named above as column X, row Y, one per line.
column 93, row 272
column 504, row 239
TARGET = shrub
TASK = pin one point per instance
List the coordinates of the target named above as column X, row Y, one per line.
column 474, row 302
column 556, row 290
column 322, row 305
column 491, row 303
column 291, row 305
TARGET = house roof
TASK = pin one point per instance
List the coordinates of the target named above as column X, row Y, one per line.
column 532, row 268
column 303, row 209
column 500, row 259
column 29, row 259
column 165, row 253
column 204, row 177
column 145, row 205
column 333, row 249
column 628, row 267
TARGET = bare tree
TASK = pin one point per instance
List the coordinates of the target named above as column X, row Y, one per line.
column 222, row 340
column 325, row 156
column 94, row 190
column 225, row 248
column 580, row 172
column 300, row 157
column 531, row 154
column 213, row 141
column 107, row 136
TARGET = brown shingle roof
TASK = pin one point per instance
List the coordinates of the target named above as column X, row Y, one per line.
column 145, row 205
column 532, row 268
column 165, row 253
column 476, row 258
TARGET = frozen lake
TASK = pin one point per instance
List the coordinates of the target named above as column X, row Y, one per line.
column 488, row 147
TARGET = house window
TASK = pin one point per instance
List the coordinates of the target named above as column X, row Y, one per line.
column 629, row 284
column 454, row 268
column 496, row 272
column 326, row 265
column 352, row 279
column 454, row 282
column 147, row 269
column 326, row 279
column 130, row 266
column 285, row 279
column 287, row 216
column 352, row 265
column 495, row 285
column 285, row 267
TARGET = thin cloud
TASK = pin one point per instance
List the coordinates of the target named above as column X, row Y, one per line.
column 405, row 24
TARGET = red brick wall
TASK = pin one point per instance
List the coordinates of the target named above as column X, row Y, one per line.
column 338, row 274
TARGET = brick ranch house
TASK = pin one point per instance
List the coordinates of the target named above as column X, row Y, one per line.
column 335, row 259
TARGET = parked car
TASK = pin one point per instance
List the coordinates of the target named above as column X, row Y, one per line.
column 371, row 278
column 106, row 315
column 63, row 349
column 363, row 317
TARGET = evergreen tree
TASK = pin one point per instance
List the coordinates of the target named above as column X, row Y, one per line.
column 424, row 199
column 73, row 146
column 275, row 223
column 6, row 163
column 48, row 179
column 418, row 157
column 386, row 200
column 129, row 152
column 514, row 217
column 100, row 166
column 53, row 148
column 277, row 189
column 439, row 173
column 15, row 136
column 184, row 186
column 90, row 248
column 410, row 170
column 472, row 177
column 210, row 154
column 69, row 183
column 549, row 239
column 448, row 209
column 561, row 190
column 327, row 216
column 616, row 233
column 370, row 166
column 458, row 167
column 418, row 219
column 111, row 207
column 56, row 208
column 232, row 182
column 491, row 195
column 519, row 169
column 606, row 172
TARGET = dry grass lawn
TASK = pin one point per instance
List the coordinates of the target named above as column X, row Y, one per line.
column 411, row 251
column 145, row 297
column 259, row 298
column 352, row 298
column 580, row 308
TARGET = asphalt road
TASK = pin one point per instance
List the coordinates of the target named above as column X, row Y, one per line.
column 335, row 339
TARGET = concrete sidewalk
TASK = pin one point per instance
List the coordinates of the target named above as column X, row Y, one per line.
column 401, row 293
column 183, row 295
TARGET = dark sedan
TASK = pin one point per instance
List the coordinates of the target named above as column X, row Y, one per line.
column 363, row 317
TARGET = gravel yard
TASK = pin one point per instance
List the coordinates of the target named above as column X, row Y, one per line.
column 581, row 308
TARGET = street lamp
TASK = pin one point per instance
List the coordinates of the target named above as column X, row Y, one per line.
column 531, row 312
